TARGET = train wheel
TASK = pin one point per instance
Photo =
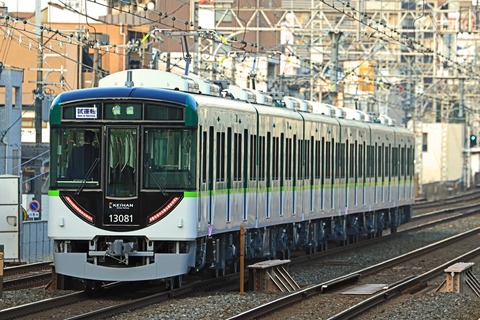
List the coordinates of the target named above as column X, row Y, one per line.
column 321, row 246
column 353, row 238
column 233, row 267
column 175, row 282
column 93, row 287
column 178, row 281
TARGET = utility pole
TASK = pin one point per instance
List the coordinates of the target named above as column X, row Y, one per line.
column 38, row 109
column 194, row 20
column 335, row 66
column 96, row 67
column 467, row 168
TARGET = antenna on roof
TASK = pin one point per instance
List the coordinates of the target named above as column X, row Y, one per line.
column 129, row 83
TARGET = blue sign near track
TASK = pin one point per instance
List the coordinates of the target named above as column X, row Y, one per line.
column 34, row 205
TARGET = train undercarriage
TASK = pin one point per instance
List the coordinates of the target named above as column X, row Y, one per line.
column 220, row 253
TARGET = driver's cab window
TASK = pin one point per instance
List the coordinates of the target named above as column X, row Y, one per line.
column 122, row 162
column 77, row 156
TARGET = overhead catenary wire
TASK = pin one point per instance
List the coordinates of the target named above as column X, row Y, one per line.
column 409, row 43
column 200, row 35
column 186, row 24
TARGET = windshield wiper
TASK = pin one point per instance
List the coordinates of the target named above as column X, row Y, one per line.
column 87, row 175
column 155, row 180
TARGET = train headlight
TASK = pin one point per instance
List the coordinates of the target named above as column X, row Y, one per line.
column 160, row 213
column 84, row 214
column 130, row 110
column 116, row 110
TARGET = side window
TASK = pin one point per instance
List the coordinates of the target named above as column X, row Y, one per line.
column 253, row 157
column 288, row 159
column 211, row 153
column 380, row 163
column 276, row 158
column 245, row 158
column 318, row 159
column 269, row 158
column 372, row 160
column 387, row 161
column 282, row 158
column 300, row 158
column 294, row 156
column 360, row 161
column 204, row 145
column 394, row 162
column 328, row 159
column 261, row 158
column 237, row 157
column 229, row 158
column 220, row 157
column 352, row 156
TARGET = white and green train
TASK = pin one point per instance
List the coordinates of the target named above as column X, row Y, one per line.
column 151, row 179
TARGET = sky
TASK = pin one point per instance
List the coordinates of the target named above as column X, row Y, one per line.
column 24, row 5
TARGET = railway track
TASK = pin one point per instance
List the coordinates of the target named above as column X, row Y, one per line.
column 26, row 268
column 406, row 283
column 421, row 207
column 114, row 299
column 112, row 304
column 27, row 276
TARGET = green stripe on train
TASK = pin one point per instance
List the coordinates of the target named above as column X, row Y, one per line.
column 53, row 193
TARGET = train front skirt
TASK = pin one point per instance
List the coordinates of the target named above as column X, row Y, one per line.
column 165, row 266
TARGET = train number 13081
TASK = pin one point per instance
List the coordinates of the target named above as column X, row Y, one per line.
column 120, row 218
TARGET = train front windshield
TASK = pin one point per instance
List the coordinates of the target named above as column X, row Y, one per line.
column 169, row 160
column 165, row 158
column 122, row 162
column 77, row 157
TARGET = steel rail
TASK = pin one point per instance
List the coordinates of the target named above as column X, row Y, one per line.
column 320, row 288
column 25, row 268
column 400, row 288
column 29, row 281
column 41, row 306
column 158, row 298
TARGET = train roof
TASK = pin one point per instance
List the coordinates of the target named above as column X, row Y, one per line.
column 190, row 90
column 195, row 84
column 117, row 93
column 151, row 79
column 121, row 92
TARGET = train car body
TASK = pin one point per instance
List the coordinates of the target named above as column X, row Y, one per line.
column 174, row 176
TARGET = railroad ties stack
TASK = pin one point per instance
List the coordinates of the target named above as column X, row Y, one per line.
column 460, row 279
column 271, row 276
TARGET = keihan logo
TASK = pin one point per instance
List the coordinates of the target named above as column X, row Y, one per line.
column 120, row 206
